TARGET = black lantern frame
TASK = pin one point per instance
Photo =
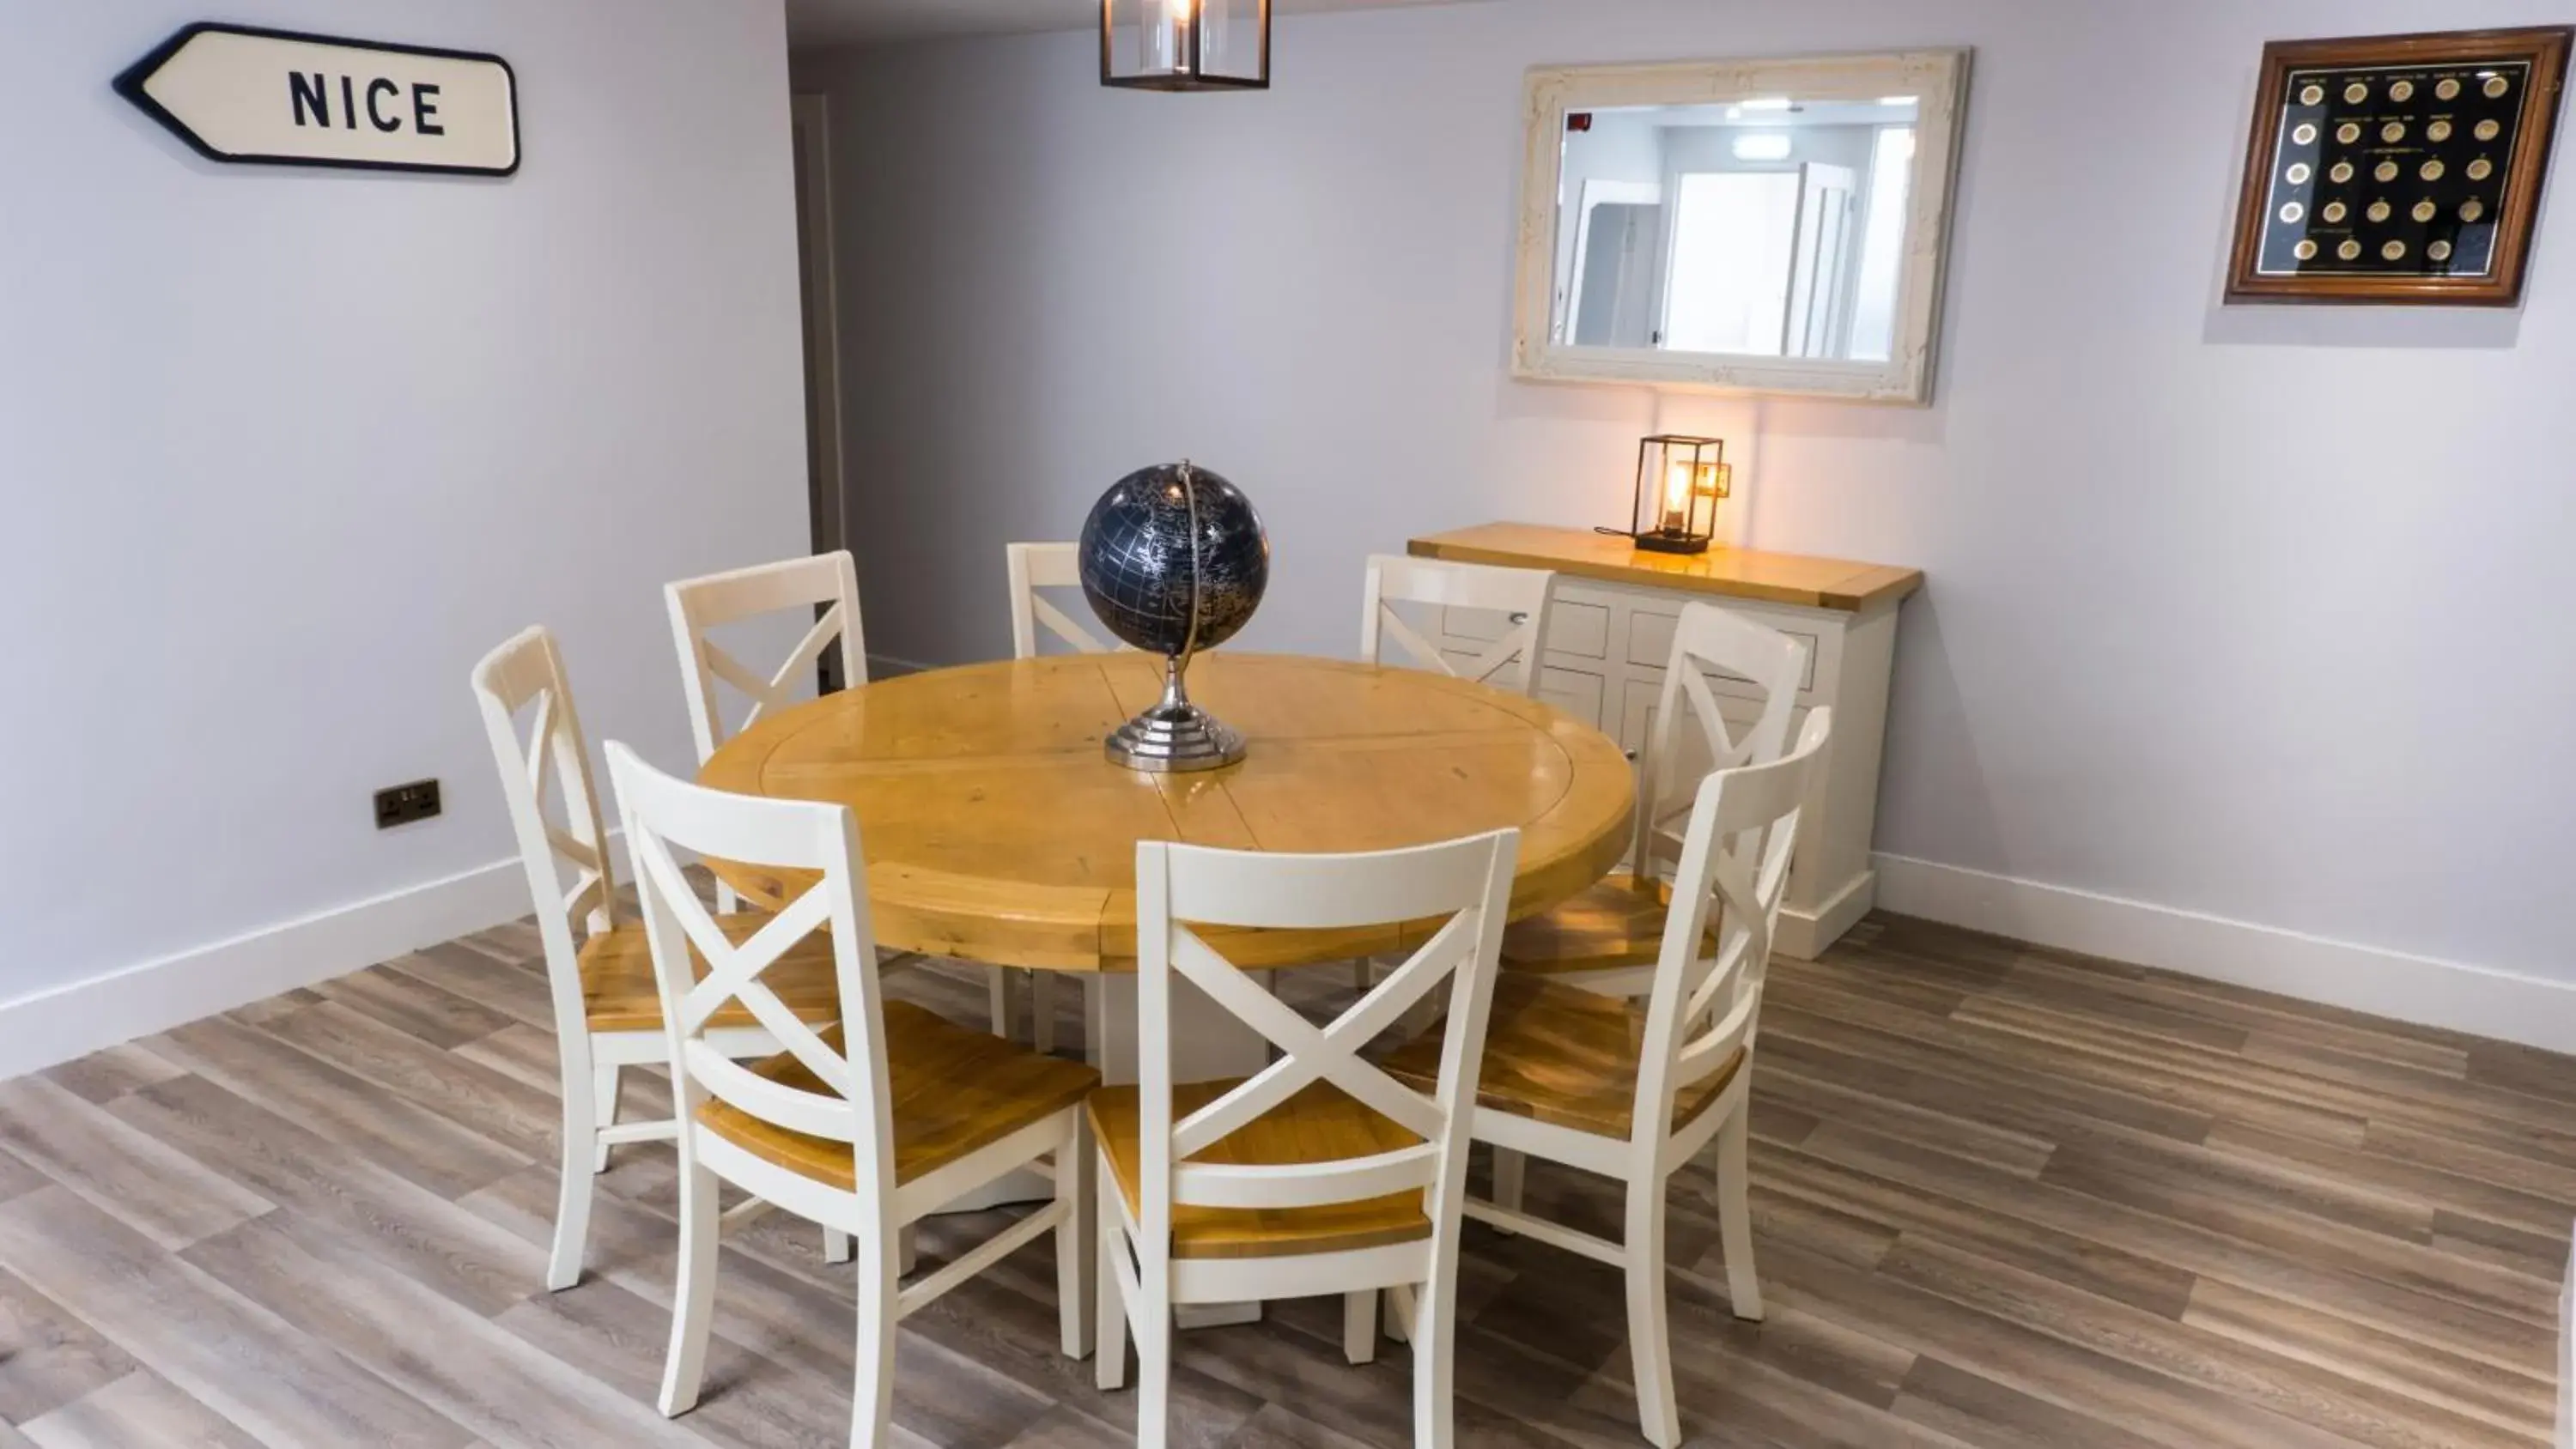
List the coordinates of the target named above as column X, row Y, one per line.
column 1170, row 50
column 1680, row 481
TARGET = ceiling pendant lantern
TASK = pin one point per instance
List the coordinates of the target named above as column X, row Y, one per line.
column 1185, row 45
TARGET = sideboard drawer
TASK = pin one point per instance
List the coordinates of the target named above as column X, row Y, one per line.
column 1650, row 643
column 1577, row 629
column 1642, row 698
column 1482, row 625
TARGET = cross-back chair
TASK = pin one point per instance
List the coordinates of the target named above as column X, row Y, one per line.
column 864, row 1127
column 1609, row 937
column 608, row 1013
column 1595, row 1083
column 1521, row 595
column 1321, row 1174
column 1035, row 566
column 829, row 581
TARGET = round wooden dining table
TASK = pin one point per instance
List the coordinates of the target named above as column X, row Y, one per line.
column 995, row 830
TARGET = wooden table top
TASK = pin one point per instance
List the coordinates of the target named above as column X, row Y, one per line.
column 1739, row 573
column 995, row 830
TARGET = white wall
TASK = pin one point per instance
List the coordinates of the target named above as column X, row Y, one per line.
column 2248, row 612
column 286, row 451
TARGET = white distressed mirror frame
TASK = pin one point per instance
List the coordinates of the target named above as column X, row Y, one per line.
column 1938, row 77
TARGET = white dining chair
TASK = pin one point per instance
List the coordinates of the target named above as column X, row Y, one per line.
column 828, row 581
column 1610, row 936
column 1320, row 1174
column 1521, row 596
column 864, row 1127
column 1035, row 566
column 608, row 1013
column 2566, row 1437
column 1032, row 567
column 1594, row 1083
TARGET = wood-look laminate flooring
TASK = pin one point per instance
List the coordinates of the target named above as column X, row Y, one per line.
column 2004, row 1197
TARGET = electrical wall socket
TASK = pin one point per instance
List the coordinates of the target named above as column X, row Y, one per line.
column 403, row 804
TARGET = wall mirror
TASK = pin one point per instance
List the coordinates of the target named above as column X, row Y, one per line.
column 1762, row 226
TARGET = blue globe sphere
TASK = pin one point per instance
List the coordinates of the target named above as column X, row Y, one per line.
column 1174, row 558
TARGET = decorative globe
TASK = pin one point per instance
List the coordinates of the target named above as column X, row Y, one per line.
column 1174, row 559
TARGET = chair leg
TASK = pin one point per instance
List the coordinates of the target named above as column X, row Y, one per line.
column 1359, row 1326
column 1735, row 1217
column 693, row 1301
column 1435, row 1338
column 872, row 1386
column 1510, row 1168
column 581, row 1150
column 997, row 991
column 1042, row 1012
column 907, row 1249
column 1650, row 1349
column 1399, row 1313
column 1109, row 1346
column 836, row 1246
column 1073, row 1239
column 1153, row 1325
column 604, row 1087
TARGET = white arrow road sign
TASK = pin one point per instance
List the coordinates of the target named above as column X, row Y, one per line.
column 238, row 93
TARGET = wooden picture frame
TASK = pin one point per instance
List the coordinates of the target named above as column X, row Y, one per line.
column 2398, row 168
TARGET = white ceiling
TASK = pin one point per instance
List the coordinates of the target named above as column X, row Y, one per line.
column 844, row 22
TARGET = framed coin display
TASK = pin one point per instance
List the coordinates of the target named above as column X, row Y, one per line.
column 2399, row 168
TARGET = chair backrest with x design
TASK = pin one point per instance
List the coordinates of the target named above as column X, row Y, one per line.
column 794, row 836
column 1735, row 871
column 1467, row 881
column 1709, row 639
column 1035, row 566
column 526, row 675
column 829, row 581
column 1523, row 596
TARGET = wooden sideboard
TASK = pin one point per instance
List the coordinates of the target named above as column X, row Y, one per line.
column 1611, row 631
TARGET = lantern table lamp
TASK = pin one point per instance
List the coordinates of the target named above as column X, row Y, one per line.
column 1679, row 483
column 1185, row 45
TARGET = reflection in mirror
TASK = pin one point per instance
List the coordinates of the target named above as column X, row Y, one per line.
column 1770, row 227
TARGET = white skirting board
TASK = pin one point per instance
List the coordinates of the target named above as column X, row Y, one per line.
column 2418, row 989
column 63, row 1022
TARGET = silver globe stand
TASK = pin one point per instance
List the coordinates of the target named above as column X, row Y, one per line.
column 1175, row 737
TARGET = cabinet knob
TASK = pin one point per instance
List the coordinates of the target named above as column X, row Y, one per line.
column 1631, row 754
column 1519, row 619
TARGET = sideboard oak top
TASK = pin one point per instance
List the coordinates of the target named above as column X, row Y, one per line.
column 1736, row 573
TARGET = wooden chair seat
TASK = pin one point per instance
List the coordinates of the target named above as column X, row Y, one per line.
column 1319, row 1124
column 618, row 994
column 1561, row 1055
column 1616, row 925
column 952, row 1090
